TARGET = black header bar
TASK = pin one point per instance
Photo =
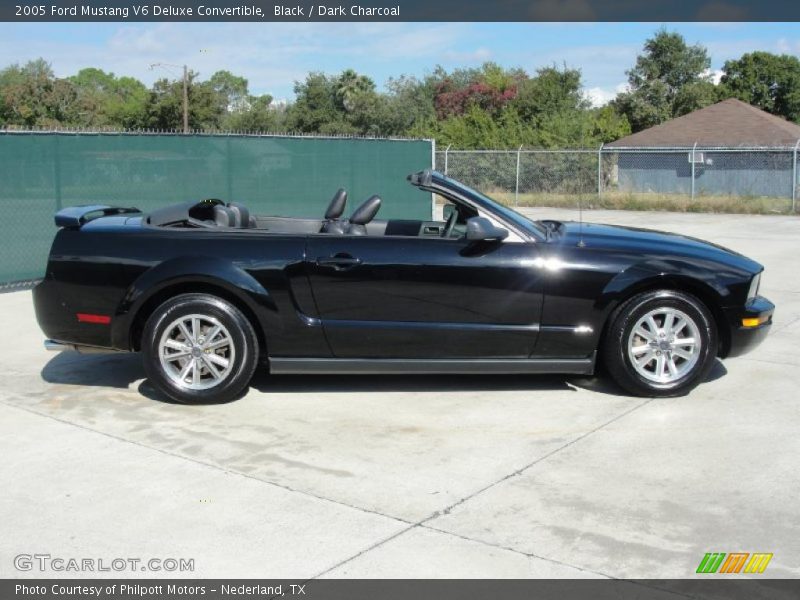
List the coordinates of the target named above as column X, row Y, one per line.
column 398, row 589
column 398, row 10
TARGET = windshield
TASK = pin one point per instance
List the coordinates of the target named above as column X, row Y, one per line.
column 505, row 212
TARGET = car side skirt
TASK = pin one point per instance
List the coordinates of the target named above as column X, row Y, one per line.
column 361, row 366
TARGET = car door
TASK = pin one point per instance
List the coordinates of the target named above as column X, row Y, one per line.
column 418, row 297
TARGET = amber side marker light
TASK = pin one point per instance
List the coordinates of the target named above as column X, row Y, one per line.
column 754, row 321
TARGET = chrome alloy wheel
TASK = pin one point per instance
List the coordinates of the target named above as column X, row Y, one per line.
column 196, row 352
column 664, row 345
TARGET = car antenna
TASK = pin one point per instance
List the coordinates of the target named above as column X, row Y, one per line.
column 581, row 243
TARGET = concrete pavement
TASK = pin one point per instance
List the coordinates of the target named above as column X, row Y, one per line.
column 462, row 476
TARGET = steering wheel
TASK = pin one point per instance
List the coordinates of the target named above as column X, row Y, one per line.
column 450, row 225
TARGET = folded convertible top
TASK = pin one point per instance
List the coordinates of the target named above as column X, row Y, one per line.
column 177, row 213
column 75, row 216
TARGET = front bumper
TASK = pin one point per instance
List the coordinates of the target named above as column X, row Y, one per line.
column 743, row 338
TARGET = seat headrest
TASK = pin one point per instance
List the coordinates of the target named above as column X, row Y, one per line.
column 367, row 211
column 337, row 204
column 241, row 215
column 224, row 216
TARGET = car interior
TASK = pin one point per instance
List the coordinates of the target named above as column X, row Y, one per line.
column 213, row 213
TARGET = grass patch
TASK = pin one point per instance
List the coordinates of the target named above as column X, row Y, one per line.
column 662, row 202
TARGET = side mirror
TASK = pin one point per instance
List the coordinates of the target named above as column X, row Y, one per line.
column 481, row 229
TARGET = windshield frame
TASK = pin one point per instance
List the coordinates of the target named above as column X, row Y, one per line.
column 442, row 184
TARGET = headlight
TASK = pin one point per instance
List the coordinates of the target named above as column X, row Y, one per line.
column 753, row 291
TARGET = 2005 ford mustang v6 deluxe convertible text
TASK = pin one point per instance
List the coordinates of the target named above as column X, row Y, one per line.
column 206, row 292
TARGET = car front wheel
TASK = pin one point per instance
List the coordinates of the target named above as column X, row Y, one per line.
column 199, row 349
column 660, row 343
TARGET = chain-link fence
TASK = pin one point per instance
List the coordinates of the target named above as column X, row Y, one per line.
column 689, row 178
column 295, row 176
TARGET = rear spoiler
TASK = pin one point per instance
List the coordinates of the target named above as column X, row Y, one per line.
column 75, row 216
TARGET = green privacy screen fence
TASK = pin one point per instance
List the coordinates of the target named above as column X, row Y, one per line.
column 273, row 175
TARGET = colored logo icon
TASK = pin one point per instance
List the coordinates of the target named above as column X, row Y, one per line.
column 735, row 562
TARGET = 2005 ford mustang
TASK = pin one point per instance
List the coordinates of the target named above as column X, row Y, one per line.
column 206, row 292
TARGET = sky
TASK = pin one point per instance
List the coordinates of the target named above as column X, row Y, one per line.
column 272, row 56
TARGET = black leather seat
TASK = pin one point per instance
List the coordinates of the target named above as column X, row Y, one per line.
column 357, row 224
column 241, row 216
column 224, row 216
column 335, row 209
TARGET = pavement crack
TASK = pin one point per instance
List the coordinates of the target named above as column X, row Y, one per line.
column 533, row 463
column 365, row 550
column 423, row 523
column 207, row 464
column 514, row 550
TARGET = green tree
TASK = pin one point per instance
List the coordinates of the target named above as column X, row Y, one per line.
column 165, row 107
column 408, row 105
column 315, row 109
column 107, row 101
column 607, row 125
column 257, row 115
column 765, row 80
column 344, row 104
column 31, row 96
column 350, row 88
column 551, row 92
column 232, row 90
column 670, row 79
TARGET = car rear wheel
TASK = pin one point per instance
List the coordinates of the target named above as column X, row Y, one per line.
column 199, row 349
column 660, row 344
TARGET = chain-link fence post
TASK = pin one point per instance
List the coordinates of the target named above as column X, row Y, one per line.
column 516, row 184
column 600, row 170
column 794, row 177
column 693, row 151
column 446, row 150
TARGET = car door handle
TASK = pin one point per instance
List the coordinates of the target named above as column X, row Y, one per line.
column 340, row 262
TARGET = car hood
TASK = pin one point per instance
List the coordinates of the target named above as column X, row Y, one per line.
column 648, row 241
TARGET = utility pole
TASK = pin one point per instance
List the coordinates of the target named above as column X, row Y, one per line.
column 168, row 66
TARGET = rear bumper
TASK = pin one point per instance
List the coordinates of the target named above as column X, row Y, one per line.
column 743, row 339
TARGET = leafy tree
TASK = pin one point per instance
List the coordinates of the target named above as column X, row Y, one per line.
column 670, row 79
column 607, row 125
column 165, row 107
column 257, row 115
column 552, row 91
column 350, row 88
column 31, row 96
column 316, row 109
column 765, row 80
column 105, row 100
column 408, row 103
column 490, row 88
column 232, row 91
column 345, row 104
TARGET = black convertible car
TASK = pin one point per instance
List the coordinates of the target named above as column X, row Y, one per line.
column 206, row 291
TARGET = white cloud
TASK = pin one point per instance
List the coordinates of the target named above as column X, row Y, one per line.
column 600, row 96
column 714, row 75
column 479, row 55
column 270, row 55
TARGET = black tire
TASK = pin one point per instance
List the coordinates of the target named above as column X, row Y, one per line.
column 241, row 351
column 618, row 345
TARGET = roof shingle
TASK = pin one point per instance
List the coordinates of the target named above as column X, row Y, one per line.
column 727, row 123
